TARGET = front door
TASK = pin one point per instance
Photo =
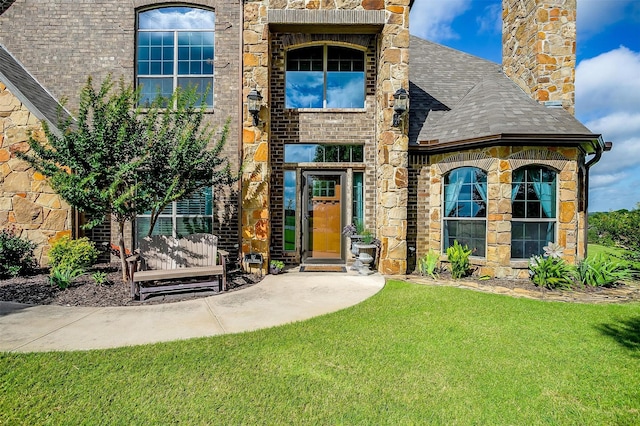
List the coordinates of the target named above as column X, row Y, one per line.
column 322, row 218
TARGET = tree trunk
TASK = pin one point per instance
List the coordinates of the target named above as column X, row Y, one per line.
column 123, row 255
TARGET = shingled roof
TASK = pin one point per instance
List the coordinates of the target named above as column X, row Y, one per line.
column 457, row 98
column 27, row 89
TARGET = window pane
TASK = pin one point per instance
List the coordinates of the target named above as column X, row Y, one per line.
column 203, row 86
column 467, row 232
column 465, row 193
column 345, row 90
column 529, row 238
column 290, row 210
column 150, row 88
column 304, row 89
column 176, row 18
column 199, row 203
column 321, row 153
column 193, row 225
column 358, row 199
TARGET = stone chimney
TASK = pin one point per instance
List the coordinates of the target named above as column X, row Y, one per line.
column 539, row 48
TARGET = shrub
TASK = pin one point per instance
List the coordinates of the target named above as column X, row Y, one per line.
column 63, row 275
column 79, row 253
column 550, row 272
column 459, row 258
column 16, row 254
column 602, row 271
column 428, row 264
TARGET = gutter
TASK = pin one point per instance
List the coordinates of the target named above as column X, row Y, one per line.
column 600, row 146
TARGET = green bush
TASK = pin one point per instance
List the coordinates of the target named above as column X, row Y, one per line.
column 459, row 258
column 16, row 254
column 551, row 272
column 428, row 264
column 602, row 271
column 79, row 253
column 63, row 275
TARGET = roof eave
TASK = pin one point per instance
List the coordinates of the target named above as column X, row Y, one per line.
column 588, row 142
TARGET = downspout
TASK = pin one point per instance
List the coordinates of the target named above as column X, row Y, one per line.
column 240, row 123
column 600, row 147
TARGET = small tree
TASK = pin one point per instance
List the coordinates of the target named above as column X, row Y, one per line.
column 118, row 161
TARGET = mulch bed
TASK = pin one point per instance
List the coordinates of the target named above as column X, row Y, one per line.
column 36, row 290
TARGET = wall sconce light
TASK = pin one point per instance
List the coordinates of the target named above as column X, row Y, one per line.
column 254, row 102
column 400, row 105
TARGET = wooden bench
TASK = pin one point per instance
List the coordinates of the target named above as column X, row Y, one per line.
column 166, row 264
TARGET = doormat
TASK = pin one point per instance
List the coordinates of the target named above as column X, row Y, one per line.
column 323, row 268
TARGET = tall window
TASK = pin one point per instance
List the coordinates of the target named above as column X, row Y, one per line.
column 465, row 209
column 533, row 209
column 191, row 215
column 325, row 77
column 290, row 197
column 175, row 49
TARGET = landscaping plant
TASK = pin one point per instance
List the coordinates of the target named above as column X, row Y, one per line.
column 459, row 259
column 428, row 264
column 100, row 278
column 550, row 272
column 78, row 253
column 116, row 160
column 63, row 275
column 16, row 254
column 602, row 271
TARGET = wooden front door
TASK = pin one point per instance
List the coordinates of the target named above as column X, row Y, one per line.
column 323, row 216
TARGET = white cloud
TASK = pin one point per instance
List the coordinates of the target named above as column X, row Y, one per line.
column 491, row 19
column 431, row 19
column 595, row 15
column 607, row 100
column 177, row 18
column 608, row 83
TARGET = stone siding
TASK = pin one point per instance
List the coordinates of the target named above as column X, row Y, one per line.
column 62, row 43
column 263, row 152
column 27, row 203
column 498, row 162
column 539, row 48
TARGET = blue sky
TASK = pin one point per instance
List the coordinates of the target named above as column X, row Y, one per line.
column 607, row 77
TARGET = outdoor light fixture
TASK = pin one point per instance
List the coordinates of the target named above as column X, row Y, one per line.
column 254, row 102
column 400, row 105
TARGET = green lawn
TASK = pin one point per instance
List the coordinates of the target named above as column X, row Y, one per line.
column 410, row 355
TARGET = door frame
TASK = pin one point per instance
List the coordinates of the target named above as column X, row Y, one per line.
column 304, row 223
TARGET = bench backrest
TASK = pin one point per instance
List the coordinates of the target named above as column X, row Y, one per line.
column 163, row 252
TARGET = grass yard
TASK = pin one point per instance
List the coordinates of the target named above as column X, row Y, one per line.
column 410, row 355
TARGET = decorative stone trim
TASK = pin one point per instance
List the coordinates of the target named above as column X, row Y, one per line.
column 350, row 17
column 418, row 159
column 538, row 156
column 465, row 159
column 361, row 40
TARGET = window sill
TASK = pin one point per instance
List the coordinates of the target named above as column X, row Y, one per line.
column 321, row 110
column 519, row 263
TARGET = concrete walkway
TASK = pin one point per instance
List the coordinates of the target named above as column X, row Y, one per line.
column 276, row 300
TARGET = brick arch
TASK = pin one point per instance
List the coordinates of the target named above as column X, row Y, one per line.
column 356, row 41
column 150, row 4
column 465, row 159
column 531, row 157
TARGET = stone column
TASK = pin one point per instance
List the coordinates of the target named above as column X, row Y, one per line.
column 393, row 159
column 539, row 48
column 256, row 229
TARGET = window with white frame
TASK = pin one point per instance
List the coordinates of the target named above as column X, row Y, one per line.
column 325, row 77
column 191, row 215
column 175, row 49
column 465, row 209
column 533, row 223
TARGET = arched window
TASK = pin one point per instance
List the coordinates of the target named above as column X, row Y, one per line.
column 175, row 49
column 533, row 198
column 325, row 77
column 465, row 209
